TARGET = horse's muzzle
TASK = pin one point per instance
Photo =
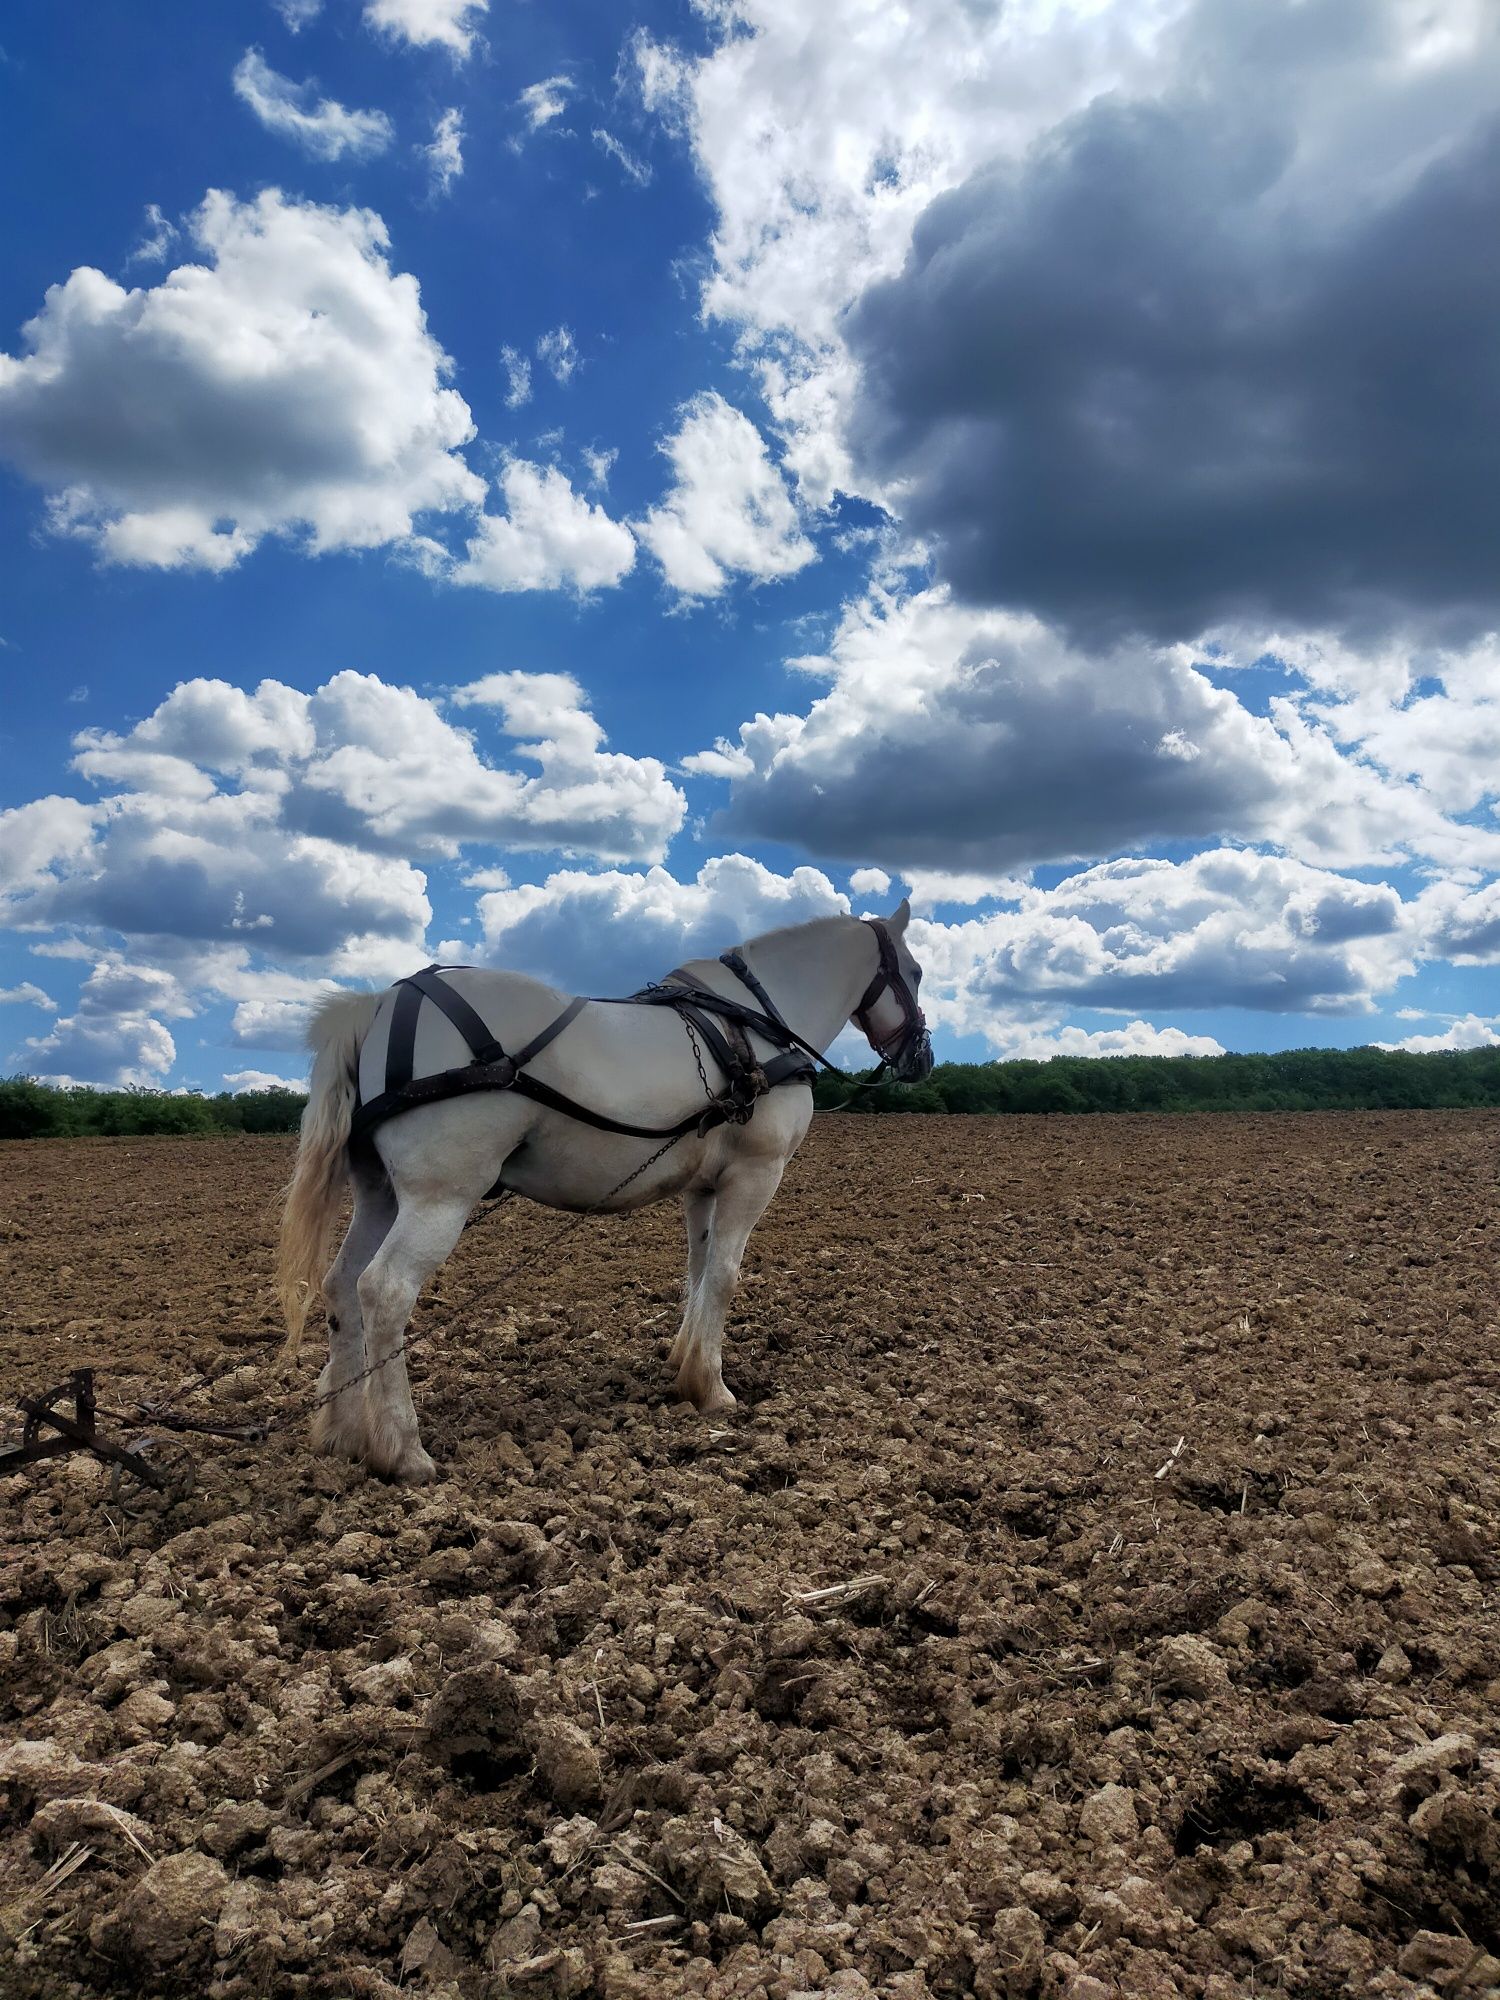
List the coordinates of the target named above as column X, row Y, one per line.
column 914, row 1059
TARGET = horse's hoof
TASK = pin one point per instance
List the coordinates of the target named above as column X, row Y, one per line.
column 709, row 1399
column 410, row 1466
column 332, row 1439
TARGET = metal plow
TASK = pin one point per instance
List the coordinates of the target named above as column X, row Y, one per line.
column 50, row 1432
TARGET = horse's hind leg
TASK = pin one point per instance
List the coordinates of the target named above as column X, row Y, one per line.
column 338, row 1427
column 697, row 1215
column 741, row 1199
column 423, row 1233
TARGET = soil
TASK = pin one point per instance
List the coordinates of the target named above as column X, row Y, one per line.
column 1095, row 1593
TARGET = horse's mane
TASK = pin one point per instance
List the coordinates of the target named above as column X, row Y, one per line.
column 787, row 930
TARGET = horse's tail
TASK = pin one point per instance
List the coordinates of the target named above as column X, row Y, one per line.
column 311, row 1201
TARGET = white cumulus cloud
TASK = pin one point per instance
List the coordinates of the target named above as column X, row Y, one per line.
column 42, row 837
column 611, row 932
column 27, row 995
column 1136, row 1038
column 445, row 154
column 548, row 538
column 365, row 764
column 957, row 741
column 1226, row 928
column 287, row 384
column 321, row 126
column 241, row 1080
column 1468, row 1032
column 449, row 24
column 728, row 511
column 115, row 1034
column 822, row 136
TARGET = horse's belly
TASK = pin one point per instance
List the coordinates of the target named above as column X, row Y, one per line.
column 582, row 1169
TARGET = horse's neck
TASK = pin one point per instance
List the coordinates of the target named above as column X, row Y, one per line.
column 815, row 973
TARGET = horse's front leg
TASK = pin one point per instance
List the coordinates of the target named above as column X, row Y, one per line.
column 740, row 1200
column 697, row 1216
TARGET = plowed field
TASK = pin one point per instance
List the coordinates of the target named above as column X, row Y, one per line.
column 1095, row 1593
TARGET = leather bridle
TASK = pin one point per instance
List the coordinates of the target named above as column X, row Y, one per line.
column 896, row 1050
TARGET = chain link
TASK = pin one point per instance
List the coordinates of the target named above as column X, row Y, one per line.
column 692, row 1035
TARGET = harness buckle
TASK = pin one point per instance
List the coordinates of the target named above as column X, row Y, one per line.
column 736, row 1102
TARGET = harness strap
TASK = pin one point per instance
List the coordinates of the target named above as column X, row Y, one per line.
column 551, row 1032
column 883, row 970
column 400, row 1058
column 730, row 1059
column 493, row 1069
column 772, row 1027
column 739, row 965
column 470, row 1024
column 543, row 1093
column 447, row 1083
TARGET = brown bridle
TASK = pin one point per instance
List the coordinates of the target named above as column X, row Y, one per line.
column 889, row 978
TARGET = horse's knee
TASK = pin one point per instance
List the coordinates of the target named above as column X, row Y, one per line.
column 381, row 1294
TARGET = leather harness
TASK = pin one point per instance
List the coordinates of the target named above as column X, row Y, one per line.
column 722, row 1024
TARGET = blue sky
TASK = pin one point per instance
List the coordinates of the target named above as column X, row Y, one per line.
column 574, row 486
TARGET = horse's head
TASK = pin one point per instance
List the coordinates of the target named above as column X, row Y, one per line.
column 889, row 1015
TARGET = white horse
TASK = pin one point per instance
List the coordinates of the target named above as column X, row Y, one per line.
column 417, row 1177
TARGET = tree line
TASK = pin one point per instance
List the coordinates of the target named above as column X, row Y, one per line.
column 1366, row 1079
column 33, row 1110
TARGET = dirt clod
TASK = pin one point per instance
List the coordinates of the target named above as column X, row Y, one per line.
column 167, row 1919
column 1092, row 1595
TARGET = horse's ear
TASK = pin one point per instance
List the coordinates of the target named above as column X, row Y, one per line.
column 900, row 917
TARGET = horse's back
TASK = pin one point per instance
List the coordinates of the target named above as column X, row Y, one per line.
column 512, row 1007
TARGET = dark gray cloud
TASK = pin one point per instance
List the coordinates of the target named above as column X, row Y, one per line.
column 1469, row 929
column 1158, row 378
column 1021, row 756
column 955, row 739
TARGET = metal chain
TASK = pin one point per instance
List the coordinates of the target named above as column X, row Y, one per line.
column 692, row 1035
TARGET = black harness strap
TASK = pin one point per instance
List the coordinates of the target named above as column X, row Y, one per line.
column 542, row 1093
column 746, row 1079
column 551, row 1032
column 401, row 1049
column 431, row 985
column 680, row 985
column 729, row 1058
column 739, row 965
